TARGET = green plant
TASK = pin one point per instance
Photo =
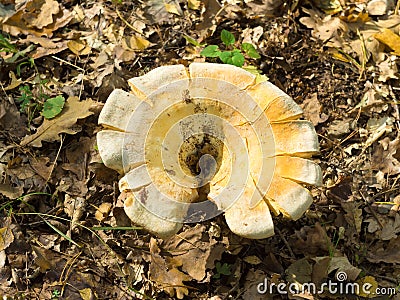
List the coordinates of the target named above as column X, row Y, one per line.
column 233, row 56
column 222, row 269
column 33, row 98
column 55, row 294
column 30, row 103
column 26, row 98
column 7, row 47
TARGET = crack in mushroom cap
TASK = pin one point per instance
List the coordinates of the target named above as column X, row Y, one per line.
column 208, row 132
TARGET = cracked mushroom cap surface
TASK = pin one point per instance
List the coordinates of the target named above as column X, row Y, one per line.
column 194, row 142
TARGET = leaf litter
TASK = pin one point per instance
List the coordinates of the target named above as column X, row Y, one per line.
column 338, row 60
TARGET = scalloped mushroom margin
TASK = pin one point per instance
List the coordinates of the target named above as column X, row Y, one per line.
column 295, row 142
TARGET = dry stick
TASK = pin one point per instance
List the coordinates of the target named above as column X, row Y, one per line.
column 395, row 182
column 127, row 24
column 67, row 63
column 371, row 209
column 55, row 159
column 285, row 242
column 364, row 52
column 67, row 271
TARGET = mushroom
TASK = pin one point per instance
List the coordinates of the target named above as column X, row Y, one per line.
column 194, row 142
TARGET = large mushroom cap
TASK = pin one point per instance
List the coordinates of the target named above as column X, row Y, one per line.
column 192, row 143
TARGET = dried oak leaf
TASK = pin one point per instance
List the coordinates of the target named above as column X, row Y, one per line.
column 159, row 11
column 386, row 156
column 168, row 278
column 325, row 28
column 37, row 17
column 311, row 240
column 353, row 215
column 43, row 12
column 391, row 228
column 266, row 8
column 6, row 235
column 194, row 244
column 11, row 119
column 390, row 39
column 389, row 254
column 313, row 110
column 63, row 123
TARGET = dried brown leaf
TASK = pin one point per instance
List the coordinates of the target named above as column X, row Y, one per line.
column 42, row 259
column 11, row 119
column 166, row 277
column 45, row 15
column 160, row 11
column 389, row 254
column 390, row 39
column 103, row 211
column 14, row 82
column 299, row 272
column 79, row 47
column 135, row 43
column 194, row 4
column 74, row 208
column 42, row 166
column 37, row 17
column 391, row 228
column 6, row 235
column 326, row 28
column 10, row 191
column 193, row 244
column 87, row 294
column 386, row 156
column 251, row 289
column 313, row 110
column 353, row 215
column 212, row 7
column 63, row 123
column 311, row 240
column 266, row 8
column 342, row 264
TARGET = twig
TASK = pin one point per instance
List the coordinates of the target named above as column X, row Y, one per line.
column 67, row 63
column 55, row 159
column 127, row 24
column 371, row 209
column 285, row 242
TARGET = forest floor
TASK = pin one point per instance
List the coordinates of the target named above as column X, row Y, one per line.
column 63, row 230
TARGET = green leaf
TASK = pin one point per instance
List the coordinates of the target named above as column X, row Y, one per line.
column 53, row 106
column 226, row 57
column 250, row 50
column 210, row 51
column 224, row 269
column 233, row 57
column 192, row 41
column 238, row 59
column 227, row 38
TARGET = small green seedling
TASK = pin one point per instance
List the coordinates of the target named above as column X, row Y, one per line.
column 25, row 98
column 222, row 269
column 40, row 101
column 234, row 56
column 18, row 57
column 56, row 294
